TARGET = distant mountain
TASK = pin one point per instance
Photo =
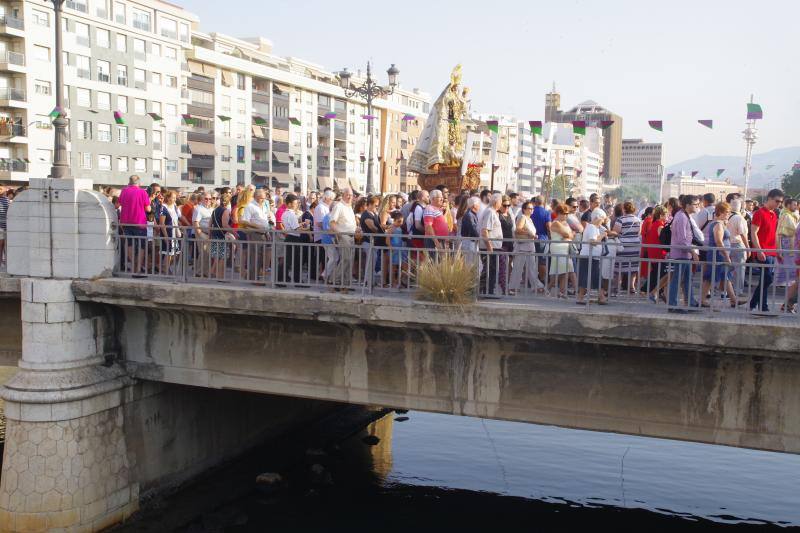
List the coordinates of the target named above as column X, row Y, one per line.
column 707, row 165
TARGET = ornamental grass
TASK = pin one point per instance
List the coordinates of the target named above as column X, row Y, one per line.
column 447, row 279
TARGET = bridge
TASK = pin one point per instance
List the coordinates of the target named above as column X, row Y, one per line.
column 128, row 386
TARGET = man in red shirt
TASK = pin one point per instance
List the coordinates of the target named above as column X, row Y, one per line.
column 135, row 204
column 763, row 233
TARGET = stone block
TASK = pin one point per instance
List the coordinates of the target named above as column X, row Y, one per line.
column 36, row 412
column 67, row 410
column 63, row 519
column 52, row 290
column 26, row 289
column 60, row 312
column 34, row 312
column 72, row 184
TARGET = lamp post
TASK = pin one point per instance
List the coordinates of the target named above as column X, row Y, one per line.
column 750, row 137
column 60, row 168
column 368, row 91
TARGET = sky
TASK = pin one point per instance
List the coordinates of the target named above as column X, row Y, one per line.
column 677, row 61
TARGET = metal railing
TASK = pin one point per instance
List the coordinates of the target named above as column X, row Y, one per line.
column 13, row 166
column 12, row 130
column 724, row 281
column 9, row 93
column 13, row 58
column 12, row 22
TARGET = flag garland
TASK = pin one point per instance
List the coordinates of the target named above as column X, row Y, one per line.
column 118, row 118
column 720, row 171
column 57, row 112
column 605, row 124
column 408, row 117
column 188, row 119
column 707, row 123
column 295, row 121
column 259, row 121
column 368, row 117
column 155, row 116
column 579, row 127
column 695, row 173
column 536, row 127
column 754, row 112
column 329, row 116
column 223, row 118
column 657, row 125
column 493, row 125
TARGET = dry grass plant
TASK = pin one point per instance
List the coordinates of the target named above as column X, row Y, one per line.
column 446, row 279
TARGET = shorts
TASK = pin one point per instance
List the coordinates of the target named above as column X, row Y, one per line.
column 137, row 234
column 2, row 234
column 586, row 279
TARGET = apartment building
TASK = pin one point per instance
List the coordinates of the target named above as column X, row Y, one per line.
column 507, row 151
column 148, row 93
column 643, row 165
column 401, row 131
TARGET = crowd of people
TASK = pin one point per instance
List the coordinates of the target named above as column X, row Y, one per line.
column 689, row 246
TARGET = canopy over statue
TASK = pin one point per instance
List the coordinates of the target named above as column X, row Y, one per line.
column 439, row 152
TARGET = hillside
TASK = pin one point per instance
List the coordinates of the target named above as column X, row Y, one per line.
column 781, row 158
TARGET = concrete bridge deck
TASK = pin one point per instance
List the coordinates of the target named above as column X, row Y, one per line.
column 681, row 377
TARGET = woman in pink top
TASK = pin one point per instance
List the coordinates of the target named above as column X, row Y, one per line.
column 434, row 220
column 134, row 206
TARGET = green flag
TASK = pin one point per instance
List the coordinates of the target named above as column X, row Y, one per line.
column 579, row 127
column 536, row 127
column 295, row 121
column 493, row 125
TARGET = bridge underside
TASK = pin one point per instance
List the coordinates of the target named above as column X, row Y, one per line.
column 748, row 401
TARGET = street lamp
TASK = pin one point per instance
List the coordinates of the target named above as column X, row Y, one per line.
column 60, row 168
column 368, row 91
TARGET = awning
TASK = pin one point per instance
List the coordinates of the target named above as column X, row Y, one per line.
column 227, row 78
column 259, row 174
column 324, row 182
column 281, row 157
column 198, row 148
column 280, row 135
column 280, row 87
column 258, row 132
column 196, row 68
column 210, row 71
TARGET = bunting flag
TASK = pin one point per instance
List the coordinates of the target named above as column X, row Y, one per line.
column 605, row 124
column 189, row 120
column 223, row 118
column 695, row 173
column 579, row 127
column 657, row 125
column 754, row 112
column 295, row 121
column 57, row 112
column 330, row 116
column 536, row 127
column 259, row 120
column 408, row 117
column 364, row 158
column 579, row 172
column 493, row 125
column 720, row 171
column 707, row 123
column 670, row 175
column 769, row 167
column 156, row 116
column 118, row 118
column 368, row 117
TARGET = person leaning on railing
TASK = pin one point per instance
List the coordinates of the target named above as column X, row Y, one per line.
column 683, row 253
column 257, row 219
column 343, row 225
column 524, row 248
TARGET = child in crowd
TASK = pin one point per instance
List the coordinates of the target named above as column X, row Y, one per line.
column 399, row 256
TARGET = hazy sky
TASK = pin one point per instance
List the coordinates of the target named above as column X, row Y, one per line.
column 677, row 60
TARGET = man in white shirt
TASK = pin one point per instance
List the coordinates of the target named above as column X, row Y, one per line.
column 317, row 258
column 491, row 240
column 256, row 219
column 343, row 225
column 703, row 217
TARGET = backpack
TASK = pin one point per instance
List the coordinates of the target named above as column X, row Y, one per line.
column 414, row 230
column 665, row 237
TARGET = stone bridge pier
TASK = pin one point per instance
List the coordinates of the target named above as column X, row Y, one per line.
column 84, row 440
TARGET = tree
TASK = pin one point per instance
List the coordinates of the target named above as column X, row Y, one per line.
column 635, row 192
column 791, row 183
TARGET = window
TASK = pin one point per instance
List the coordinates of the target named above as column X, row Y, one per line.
column 104, row 162
column 122, row 134
column 82, row 63
column 226, row 176
column 155, row 49
column 84, row 97
column 172, row 138
column 82, row 34
column 140, row 106
column 240, row 81
column 122, row 75
column 83, row 129
column 122, row 164
column 172, row 165
column 42, row 87
column 41, row 53
column 155, row 107
column 103, row 38
column 103, row 100
column 122, row 42
column 119, row 16
column 122, row 104
column 170, row 81
column 78, row 5
column 201, row 97
column 104, row 133
column 240, row 130
column 156, row 140
column 169, row 28
column 139, row 78
column 41, row 18
column 139, row 49
column 141, row 19
column 43, row 122
column 241, row 106
column 140, row 136
column 86, row 160
column 155, row 77
column 184, row 32
column 139, row 164
column 226, row 128
column 170, row 52
column 226, row 103
column 324, row 100
column 103, row 71
column 172, row 110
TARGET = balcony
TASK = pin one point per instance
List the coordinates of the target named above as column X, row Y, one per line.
column 83, row 7
column 12, row 26
column 196, row 109
column 83, row 40
column 123, row 81
column 13, row 133
column 201, row 161
column 225, row 158
column 8, row 168
column 260, row 144
column 139, row 84
column 260, row 166
column 195, row 136
column 141, row 25
column 104, row 77
column 10, row 97
column 83, row 73
column 12, row 62
column 185, row 151
column 156, row 147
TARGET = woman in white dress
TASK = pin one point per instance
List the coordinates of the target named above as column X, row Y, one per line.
column 525, row 263
column 560, row 261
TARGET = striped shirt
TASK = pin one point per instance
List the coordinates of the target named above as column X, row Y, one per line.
column 3, row 212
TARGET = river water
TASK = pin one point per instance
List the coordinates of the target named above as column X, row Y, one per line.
column 439, row 472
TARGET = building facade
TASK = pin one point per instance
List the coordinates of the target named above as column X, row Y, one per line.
column 684, row 184
column 147, row 93
column 507, row 154
column 643, row 166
